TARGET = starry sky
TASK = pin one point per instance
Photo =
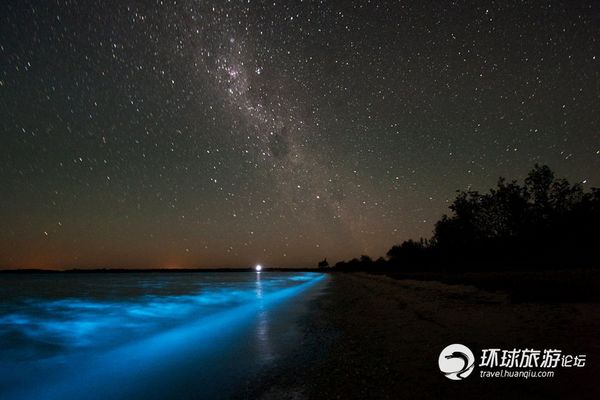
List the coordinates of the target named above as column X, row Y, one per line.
column 195, row 134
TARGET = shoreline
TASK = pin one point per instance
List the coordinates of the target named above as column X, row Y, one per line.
column 377, row 337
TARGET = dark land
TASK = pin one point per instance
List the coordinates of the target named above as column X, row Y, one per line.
column 375, row 337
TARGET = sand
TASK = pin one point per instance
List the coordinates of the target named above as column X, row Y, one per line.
column 374, row 337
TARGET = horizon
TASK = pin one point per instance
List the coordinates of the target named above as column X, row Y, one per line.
column 266, row 268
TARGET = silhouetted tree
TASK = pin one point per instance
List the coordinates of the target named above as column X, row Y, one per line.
column 546, row 221
column 535, row 222
column 366, row 260
column 408, row 253
column 380, row 263
column 538, row 183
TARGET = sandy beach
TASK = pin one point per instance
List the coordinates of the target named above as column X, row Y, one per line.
column 377, row 337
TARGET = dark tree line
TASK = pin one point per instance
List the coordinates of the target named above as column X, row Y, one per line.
column 544, row 223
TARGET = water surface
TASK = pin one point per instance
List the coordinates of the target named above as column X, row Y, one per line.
column 147, row 335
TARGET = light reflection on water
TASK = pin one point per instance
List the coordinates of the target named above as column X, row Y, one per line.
column 128, row 335
column 262, row 328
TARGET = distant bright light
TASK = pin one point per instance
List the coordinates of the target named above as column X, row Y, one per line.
column 258, row 268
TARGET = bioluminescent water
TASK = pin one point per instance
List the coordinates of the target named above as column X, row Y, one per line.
column 150, row 336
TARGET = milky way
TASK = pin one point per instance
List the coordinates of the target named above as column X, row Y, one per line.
column 192, row 133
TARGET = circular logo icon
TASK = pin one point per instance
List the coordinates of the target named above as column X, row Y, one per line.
column 456, row 362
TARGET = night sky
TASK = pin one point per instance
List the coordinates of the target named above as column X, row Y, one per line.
column 196, row 134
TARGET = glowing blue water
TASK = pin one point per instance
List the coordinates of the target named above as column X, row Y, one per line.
column 145, row 335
